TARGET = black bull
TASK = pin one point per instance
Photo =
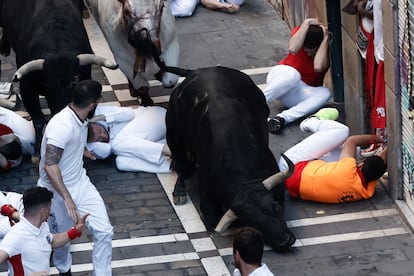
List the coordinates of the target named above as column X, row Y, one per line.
column 52, row 52
column 216, row 124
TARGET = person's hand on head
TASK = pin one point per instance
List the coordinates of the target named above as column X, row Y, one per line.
column 311, row 21
column 97, row 118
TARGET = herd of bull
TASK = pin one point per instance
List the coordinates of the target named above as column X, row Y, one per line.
column 216, row 119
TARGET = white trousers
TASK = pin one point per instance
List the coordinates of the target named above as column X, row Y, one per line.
column 87, row 200
column 182, row 8
column 283, row 83
column 325, row 142
column 138, row 146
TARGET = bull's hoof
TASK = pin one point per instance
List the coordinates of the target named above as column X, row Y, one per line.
column 138, row 92
column 179, row 199
column 286, row 245
column 146, row 100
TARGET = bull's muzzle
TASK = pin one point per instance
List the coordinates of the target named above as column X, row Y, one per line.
column 269, row 184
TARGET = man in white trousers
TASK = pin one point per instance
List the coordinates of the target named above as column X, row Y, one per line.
column 61, row 171
column 297, row 81
column 327, row 168
column 136, row 136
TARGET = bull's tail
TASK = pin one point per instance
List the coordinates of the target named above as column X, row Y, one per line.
column 171, row 69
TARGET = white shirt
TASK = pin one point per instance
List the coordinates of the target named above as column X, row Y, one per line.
column 65, row 131
column 34, row 244
column 263, row 270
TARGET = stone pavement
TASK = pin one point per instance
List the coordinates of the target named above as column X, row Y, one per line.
column 154, row 237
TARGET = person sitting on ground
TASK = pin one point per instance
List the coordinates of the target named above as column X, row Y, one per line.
column 327, row 168
column 184, row 8
column 17, row 137
column 297, row 81
column 247, row 253
column 135, row 136
column 28, row 245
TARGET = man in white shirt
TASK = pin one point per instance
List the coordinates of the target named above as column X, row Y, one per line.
column 135, row 136
column 28, row 244
column 61, row 171
column 247, row 253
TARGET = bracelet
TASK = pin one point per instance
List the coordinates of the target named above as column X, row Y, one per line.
column 7, row 210
column 73, row 233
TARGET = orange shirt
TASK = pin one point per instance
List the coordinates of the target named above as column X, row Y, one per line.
column 333, row 182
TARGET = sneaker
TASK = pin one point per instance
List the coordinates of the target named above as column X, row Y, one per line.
column 275, row 124
column 327, row 113
column 372, row 150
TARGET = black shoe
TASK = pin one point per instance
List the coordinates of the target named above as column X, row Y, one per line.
column 275, row 124
column 69, row 273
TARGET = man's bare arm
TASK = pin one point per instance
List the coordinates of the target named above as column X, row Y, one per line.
column 321, row 60
column 52, row 158
column 350, row 145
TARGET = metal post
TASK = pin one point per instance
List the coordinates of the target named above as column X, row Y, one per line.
column 333, row 10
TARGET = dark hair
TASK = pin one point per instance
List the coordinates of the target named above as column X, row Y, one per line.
column 373, row 168
column 86, row 92
column 12, row 150
column 249, row 243
column 313, row 37
column 36, row 197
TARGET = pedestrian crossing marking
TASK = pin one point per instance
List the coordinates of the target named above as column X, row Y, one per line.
column 335, row 238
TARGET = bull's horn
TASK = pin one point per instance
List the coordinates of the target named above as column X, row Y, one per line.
column 33, row 65
column 279, row 177
column 225, row 221
column 86, row 59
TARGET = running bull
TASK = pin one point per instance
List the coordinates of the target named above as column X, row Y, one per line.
column 142, row 37
column 52, row 52
column 216, row 125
